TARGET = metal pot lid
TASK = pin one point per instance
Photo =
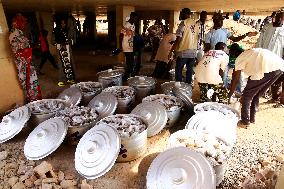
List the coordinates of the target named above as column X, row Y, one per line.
column 184, row 97
column 13, row 123
column 72, row 95
column 97, row 151
column 141, row 81
column 45, row 139
column 105, row 103
column 154, row 114
column 110, row 73
column 181, row 168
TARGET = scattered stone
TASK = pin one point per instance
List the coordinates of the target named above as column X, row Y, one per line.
column 45, row 170
column 85, row 185
column 265, row 163
column 13, row 180
column 24, row 168
column 60, row 176
column 32, row 178
column 2, row 164
column 280, row 158
column 29, row 183
column 46, row 186
column 23, row 178
column 3, row 155
column 69, row 176
column 49, row 180
column 31, row 163
column 19, row 185
column 38, row 182
column 68, row 183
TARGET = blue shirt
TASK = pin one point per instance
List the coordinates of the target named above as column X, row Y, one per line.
column 215, row 36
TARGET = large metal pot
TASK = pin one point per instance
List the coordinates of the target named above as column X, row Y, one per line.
column 143, row 86
column 110, row 78
column 42, row 110
column 215, row 123
column 172, row 104
column 125, row 97
column 168, row 87
column 79, row 121
column 213, row 148
column 227, row 110
column 133, row 133
column 121, row 68
column 89, row 90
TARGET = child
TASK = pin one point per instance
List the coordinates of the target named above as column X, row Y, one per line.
column 45, row 53
column 209, row 71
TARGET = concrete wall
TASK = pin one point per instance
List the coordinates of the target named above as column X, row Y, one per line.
column 10, row 90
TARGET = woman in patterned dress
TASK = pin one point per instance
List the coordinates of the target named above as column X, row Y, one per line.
column 23, row 58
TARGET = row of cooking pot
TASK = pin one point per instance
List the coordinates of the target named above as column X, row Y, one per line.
column 129, row 148
column 183, row 170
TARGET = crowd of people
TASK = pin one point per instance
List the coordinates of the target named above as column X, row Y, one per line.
column 203, row 51
column 208, row 56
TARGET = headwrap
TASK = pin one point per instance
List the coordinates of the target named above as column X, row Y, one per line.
column 19, row 22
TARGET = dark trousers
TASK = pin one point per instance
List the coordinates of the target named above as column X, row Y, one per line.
column 160, row 69
column 189, row 62
column 253, row 91
column 129, row 69
column 275, row 88
column 137, row 62
column 47, row 56
column 156, row 43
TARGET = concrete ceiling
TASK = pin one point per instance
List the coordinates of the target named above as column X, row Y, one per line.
column 87, row 5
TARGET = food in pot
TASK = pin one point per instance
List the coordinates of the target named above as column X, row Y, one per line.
column 222, row 109
column 78, row 116
column 46, row 106
column 89, row 88
column 214, row 149
column 169, row 102
column 127, row 125
column 121, row 91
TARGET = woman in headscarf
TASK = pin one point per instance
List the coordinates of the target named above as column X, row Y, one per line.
column 23, row 58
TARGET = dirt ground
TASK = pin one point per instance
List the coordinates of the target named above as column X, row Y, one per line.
column 264, row 139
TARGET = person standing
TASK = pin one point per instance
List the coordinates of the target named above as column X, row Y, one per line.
column 162, row 57
column 156, row 32
column 220, row 34
column 202, row 29
column 268, row 20
column 263, row 68
column 62, row 41
column 272, row 38
column 237, row 15
column 45, row 53
column 185, row 46
column 209, row 73
column 126, row 44
column 23, row 58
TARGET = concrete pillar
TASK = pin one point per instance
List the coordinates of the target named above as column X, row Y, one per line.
column 121, row 13
column 173, row 21
column 10, row 89
column 45, row 21
column 111, row 17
